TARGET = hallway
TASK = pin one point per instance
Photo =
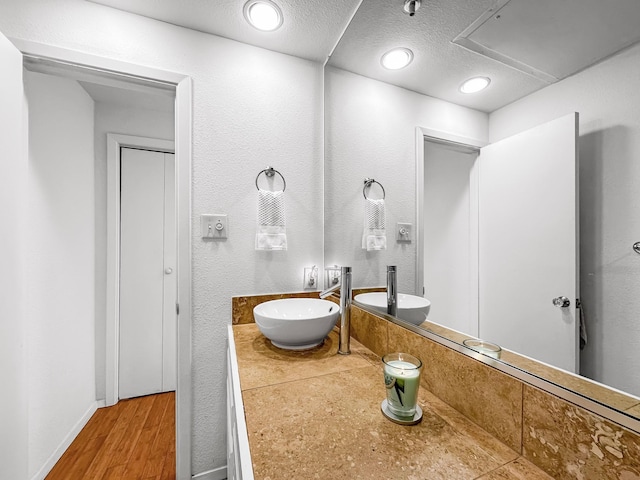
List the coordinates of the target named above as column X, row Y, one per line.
column 134, row 439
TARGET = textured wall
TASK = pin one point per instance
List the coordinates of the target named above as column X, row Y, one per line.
column 607, row 98
column 252, row 108
column 60, row 265
column 370, row 132
column 112, row 118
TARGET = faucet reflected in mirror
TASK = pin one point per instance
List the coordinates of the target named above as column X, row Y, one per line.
column 392, row 290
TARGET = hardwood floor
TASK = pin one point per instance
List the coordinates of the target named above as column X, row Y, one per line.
column 134, row 439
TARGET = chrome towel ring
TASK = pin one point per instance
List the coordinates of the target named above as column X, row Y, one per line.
column 270, row 172
column 367, row 183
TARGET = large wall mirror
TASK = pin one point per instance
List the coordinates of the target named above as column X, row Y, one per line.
column 519, row 198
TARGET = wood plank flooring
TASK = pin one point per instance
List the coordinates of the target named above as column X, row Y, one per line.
column 134, row 439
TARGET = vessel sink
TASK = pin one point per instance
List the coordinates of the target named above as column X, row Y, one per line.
column 411, row 308
column 296, row 323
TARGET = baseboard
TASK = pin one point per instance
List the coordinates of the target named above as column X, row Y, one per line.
column 68, row 439
column 215, row 474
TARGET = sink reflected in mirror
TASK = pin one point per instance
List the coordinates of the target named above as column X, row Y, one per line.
column 296, row 323
column 411, row 308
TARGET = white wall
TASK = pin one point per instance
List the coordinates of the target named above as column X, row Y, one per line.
column 252, row 108
column 60, row 264
column 113, row 118
column 608, row 100
column 13, row 181
column 447, row 237
column 370, row 132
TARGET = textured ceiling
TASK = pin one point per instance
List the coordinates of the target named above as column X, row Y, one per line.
column 522, row 45
column 310, row 30
column 567, row 36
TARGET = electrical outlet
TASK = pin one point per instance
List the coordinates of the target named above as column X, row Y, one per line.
column 332, row 276
column 310, row 279
column 213, row 226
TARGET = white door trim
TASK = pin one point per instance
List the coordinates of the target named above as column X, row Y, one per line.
column 114, row 143
column 107, row 71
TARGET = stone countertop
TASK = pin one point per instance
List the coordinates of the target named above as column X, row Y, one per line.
column 316, row 415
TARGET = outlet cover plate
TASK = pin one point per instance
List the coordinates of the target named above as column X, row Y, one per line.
column 310, row 279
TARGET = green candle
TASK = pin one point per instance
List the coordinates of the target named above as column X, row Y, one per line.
column 402, row 379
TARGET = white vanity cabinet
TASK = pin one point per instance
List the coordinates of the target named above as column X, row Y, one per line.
column 239, row 465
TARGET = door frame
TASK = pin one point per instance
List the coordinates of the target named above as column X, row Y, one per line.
column 114, row 143
column 83, row 66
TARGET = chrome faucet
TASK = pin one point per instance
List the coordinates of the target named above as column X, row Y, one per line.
column 345, row 308
column 392, row 290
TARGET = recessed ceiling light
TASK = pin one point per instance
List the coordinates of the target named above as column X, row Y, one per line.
column 397, row 58
column 263, row 15
column 475, row 84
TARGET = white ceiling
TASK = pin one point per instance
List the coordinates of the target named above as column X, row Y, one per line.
column 310, row 30
column 522, row 45
column 140, row 98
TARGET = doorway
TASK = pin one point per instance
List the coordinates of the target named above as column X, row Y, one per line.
column 104, row 71
column 450, row 257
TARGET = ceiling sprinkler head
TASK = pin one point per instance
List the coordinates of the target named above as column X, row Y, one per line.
column 412, row 6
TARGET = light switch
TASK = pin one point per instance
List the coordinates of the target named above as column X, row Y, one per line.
column 213, row 226
column 403, row 232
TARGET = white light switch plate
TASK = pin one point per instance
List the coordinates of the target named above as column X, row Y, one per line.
column 404, row 232
column 213, row 226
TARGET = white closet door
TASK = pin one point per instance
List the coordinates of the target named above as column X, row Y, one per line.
column 528, row 242
column 147, row 325
column 170, row 291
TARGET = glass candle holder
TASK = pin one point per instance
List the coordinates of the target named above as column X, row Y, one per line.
column 402, row 379
column 486, row 348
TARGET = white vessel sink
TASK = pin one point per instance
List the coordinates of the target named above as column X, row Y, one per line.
column 411, row 308
column 296, row 323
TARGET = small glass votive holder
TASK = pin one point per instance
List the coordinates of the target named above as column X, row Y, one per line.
column 486, row 348
column 402, row 381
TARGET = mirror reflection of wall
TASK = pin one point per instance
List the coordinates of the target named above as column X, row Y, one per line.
column 370, row 132
column 607, row 98
column 370, row 125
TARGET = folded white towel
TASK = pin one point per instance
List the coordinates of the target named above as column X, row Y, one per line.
column 374, row 236
column 271, row 231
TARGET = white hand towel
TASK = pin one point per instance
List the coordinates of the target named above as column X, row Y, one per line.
column 374, row 236
column 271, row 233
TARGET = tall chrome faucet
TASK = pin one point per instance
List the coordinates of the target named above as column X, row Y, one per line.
column 345, row 308
column 392, row 290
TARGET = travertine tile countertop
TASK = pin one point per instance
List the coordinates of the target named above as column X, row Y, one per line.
column 316, row 415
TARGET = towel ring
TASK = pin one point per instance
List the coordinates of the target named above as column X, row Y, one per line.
column 270, row 172
column 367, row 183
